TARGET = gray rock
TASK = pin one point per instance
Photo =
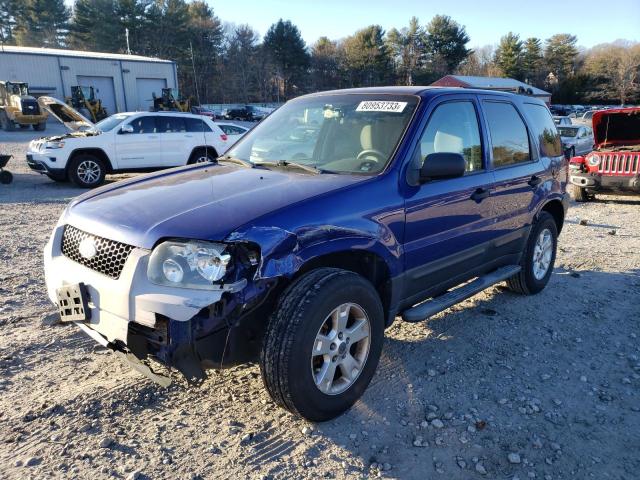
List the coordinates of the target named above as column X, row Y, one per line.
column 514, row 458
column 106, row 442
column 480, row 469
column 437, row 423
column 135, row 475
column 50, row 319
column 307, row 430
column 32, row 461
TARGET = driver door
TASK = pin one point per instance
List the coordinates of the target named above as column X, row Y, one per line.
column 449, row 221
column 140, row 148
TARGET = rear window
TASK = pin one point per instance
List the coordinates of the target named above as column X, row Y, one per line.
column 544, row 129
column 196, row 125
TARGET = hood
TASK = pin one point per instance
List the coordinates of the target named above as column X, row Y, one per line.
column 616, row 127
column 68, row 116
column 203, row 202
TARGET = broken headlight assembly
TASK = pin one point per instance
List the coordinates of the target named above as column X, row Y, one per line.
column 188, row 264
column 593, row 160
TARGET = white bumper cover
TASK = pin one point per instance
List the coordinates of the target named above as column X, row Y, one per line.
column 130, row 298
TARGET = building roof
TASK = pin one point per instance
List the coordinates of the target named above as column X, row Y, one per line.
column 493, row 83
column 79, row 53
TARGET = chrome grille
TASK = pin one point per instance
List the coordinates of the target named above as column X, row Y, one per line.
column 110, row 255
column 620, row 163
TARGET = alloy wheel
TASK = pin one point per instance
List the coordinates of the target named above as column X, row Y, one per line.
column 340, row 349
column 542, row 253
column 89, row 171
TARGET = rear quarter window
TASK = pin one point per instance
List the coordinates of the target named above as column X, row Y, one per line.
column 544, row 130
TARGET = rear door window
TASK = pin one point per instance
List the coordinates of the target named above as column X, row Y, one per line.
column 509, row 136
column 544, row 129
column 167, row 124
column 196, row 125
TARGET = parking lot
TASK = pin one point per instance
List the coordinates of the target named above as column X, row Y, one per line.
column 500, row 386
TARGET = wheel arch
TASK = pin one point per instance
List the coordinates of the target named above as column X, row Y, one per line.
column 98, row 152
column 200, row 148
column 555, row 208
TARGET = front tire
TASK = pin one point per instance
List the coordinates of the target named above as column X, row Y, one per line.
column 580, row 194
column 323, row 343
column 538, row 257
column 87, row 171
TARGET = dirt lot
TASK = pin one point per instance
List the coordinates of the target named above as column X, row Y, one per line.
column 502, row 386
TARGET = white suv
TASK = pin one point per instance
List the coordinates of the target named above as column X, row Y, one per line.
column 124, row 142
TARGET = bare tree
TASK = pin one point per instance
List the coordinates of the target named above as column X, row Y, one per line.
column 617, row 70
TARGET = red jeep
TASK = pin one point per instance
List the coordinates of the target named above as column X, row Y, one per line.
column 614, row 164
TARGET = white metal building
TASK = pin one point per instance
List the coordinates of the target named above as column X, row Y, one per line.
column 123, row 82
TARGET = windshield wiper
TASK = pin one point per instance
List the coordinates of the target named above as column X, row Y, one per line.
column 301, row 166
column 237, row 161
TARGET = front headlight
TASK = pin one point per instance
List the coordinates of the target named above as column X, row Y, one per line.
column 54, row 145
column 188, row 264
column 593, row 160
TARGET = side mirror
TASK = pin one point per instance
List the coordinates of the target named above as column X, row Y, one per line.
column 128, row 128
column 442, row 165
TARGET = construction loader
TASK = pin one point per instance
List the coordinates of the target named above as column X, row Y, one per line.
column 170, row 101
column 18, row 108
column 85, row 101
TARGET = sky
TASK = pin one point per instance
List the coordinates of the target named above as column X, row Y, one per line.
column 592, row 21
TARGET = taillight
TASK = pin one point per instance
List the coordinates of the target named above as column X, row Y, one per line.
column 224, row 137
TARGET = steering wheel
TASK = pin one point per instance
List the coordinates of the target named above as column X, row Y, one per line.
column 379, row 156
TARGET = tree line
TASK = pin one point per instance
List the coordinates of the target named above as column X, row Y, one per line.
column 232, row 63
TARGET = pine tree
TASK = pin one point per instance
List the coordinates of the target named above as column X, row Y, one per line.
column 407, row 48
column 41, row 23
column 287, row 51
column 560, row 55
column 94, row 26
column 446, row 44
column 532, row 61
column 508, row 56
column 367, row 59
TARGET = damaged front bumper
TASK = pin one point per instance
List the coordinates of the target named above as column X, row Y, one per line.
column 599, row 182
column 182, row 328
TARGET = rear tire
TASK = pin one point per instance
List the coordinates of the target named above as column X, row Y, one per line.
column 39, row 127
column 532, row 278
column 22, row 127
column 87, row 171
column 6, row 177
column 203, row 156
column 6, row 123
column 309, row 363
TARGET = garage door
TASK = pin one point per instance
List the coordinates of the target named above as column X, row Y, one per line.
column 104, row 90
column 146, row 87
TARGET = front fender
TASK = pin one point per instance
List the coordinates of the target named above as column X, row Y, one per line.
column 283, row 252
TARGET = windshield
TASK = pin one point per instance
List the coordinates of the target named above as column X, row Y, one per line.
column 347, row 133
column 110, row 123
column 567, row 132
column 18, row 89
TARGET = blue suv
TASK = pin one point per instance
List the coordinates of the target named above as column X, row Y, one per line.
column 374, row 203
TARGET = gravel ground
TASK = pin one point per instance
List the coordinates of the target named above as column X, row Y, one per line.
column 501, row 386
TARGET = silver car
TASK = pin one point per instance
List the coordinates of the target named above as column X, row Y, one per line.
column 577, row 139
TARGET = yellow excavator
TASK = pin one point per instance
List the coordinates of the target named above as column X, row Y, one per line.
column 85, row 101
column 18, row 108
column 171, row 101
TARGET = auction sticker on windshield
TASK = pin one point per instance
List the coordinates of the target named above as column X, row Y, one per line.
column 381, row 106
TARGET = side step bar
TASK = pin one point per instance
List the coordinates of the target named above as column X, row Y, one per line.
column 430, row 307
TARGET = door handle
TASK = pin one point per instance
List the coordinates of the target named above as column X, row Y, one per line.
column 480, row 194
column 535, row 181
